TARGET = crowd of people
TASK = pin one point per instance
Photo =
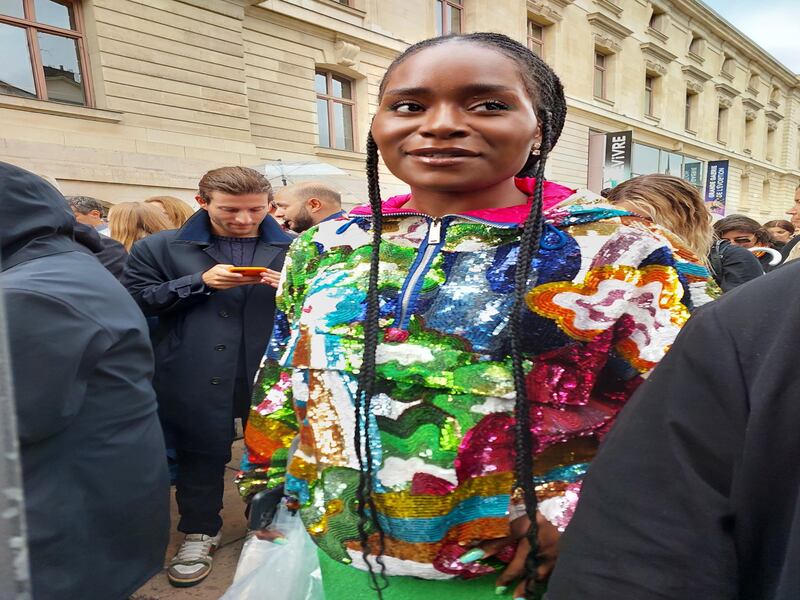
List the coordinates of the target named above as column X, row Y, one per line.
column 426, row 381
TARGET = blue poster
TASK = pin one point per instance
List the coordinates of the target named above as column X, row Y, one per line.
column 716, row 186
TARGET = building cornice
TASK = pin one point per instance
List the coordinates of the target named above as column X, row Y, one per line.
column 693, row 72
column 607, row 25
column 657, row 52
column 734, row 38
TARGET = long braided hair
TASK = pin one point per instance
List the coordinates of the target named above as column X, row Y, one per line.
column 547, row 95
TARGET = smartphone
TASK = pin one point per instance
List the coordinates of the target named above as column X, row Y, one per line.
column 248, row 271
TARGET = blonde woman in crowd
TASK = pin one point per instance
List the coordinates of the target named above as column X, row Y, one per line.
column 671, row 202
column 175, row 209
column 129, row 222
column 675, row 205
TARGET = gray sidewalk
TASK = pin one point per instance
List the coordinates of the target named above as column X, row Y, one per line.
column 226, row 557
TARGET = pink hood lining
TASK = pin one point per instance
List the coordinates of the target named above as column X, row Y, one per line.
column 552, row 194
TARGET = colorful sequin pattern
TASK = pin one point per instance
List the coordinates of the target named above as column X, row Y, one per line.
column 610, row 294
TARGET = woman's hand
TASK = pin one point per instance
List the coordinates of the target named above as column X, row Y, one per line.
column 271, row 535
column 548, row 536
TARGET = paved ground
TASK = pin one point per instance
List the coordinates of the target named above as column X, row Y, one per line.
column 225, row 559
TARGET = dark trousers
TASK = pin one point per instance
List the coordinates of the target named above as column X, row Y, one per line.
column 198, row 491
column 200, row 481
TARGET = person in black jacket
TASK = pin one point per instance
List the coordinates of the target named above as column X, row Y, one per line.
column 732, row 265
column 109, row 252
column 92, row 450
column 213, row 327
column 695, row 493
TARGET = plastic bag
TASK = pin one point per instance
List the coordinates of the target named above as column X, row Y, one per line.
column 278, row 572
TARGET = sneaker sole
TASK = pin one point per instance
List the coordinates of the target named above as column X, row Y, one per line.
column 187, row 582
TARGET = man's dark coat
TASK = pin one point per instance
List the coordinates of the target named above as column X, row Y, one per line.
column 200, row 331
column 94, row 474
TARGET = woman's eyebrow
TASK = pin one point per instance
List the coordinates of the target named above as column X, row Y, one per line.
column 474, row 89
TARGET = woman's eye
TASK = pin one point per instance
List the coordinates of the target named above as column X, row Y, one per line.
column 490, row 106
column 407, row 107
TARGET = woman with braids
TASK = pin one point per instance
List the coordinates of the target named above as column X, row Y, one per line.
column 447, row 361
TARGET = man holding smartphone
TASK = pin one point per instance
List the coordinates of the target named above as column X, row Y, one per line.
column 213, row 326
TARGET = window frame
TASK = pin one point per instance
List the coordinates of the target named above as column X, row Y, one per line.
column 722, row 123
column 330, row 100
column 78, row 34
column 690, row 112
column 534, row 41
column 649, row 95
column 442, row 9
column 603, row 71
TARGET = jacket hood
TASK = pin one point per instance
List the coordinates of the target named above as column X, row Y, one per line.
column 35, row 219
column 552, row 194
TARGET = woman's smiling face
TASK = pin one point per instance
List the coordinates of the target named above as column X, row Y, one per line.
column 455, row 117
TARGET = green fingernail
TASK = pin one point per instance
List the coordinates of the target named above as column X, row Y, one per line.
column 472, row 555
column 281, row 541
column 500, row 590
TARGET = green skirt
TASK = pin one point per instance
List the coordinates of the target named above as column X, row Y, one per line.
column 342, row 582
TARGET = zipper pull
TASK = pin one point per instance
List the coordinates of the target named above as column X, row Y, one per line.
column 435, row 232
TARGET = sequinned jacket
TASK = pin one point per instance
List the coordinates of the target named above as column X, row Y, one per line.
column 611, row 292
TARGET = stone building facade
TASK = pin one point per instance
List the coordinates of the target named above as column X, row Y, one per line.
column 172, row 88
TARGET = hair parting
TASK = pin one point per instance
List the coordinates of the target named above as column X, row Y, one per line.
column 547, row 94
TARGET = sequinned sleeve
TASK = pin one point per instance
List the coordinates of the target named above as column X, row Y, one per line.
column 272, row 424
column 624, row 317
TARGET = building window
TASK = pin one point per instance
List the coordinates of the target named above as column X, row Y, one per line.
column 335, row 108
column 448, row 16
column 657, row 19
column 44, row 55
column 536, row 38
column 690, row 112
column 696, row 45
column 600, row 75
column 770, row 150
column 649, row 83
column 728, row 66
column 753, row 83
column 749, row 132
column 722, row 124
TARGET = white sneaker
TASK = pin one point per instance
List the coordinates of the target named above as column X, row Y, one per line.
column 192, row 563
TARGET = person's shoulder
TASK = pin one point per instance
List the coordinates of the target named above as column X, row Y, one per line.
column 778, row 289
column 71, row 278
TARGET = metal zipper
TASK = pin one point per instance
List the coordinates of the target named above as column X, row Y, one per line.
column 433, row 239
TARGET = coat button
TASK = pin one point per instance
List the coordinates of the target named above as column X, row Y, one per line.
column 219, row 347
column 216, row 380
column 224, row 314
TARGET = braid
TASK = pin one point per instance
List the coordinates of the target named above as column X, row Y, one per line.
column 366, row 381
column 523, row 439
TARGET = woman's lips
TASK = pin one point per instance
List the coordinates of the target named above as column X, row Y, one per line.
column 441, row 157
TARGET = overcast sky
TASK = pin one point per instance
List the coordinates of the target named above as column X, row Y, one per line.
column 772, row 24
